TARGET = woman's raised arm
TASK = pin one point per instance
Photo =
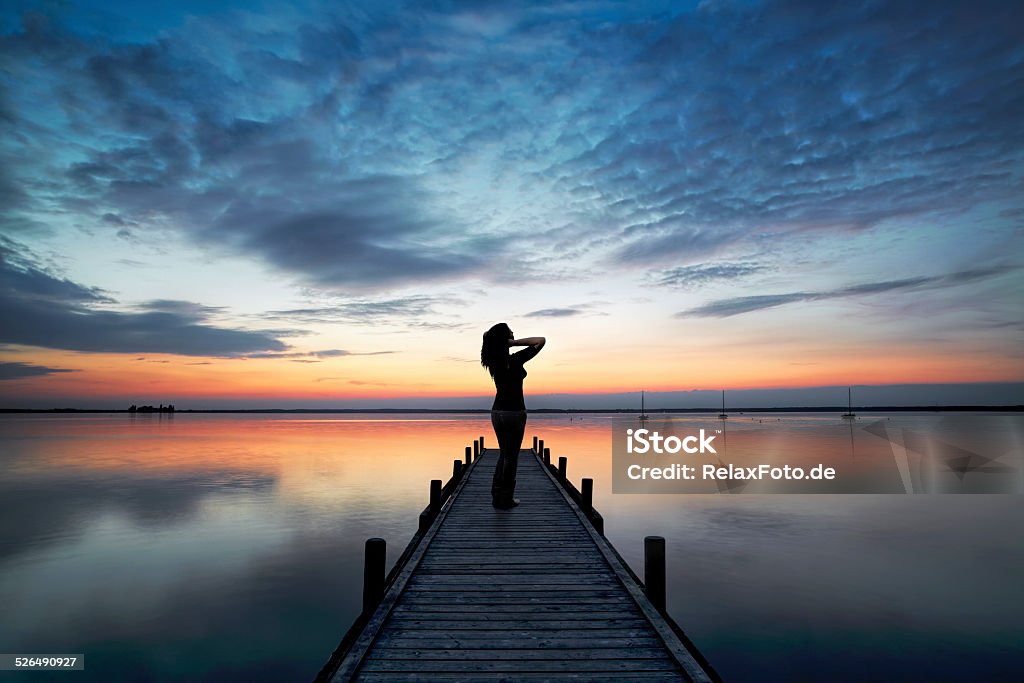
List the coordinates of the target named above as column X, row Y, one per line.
column 528, row 341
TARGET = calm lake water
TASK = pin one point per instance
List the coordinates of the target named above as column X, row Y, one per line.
column 229, row 548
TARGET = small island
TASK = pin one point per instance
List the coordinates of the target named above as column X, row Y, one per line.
column 169, row 408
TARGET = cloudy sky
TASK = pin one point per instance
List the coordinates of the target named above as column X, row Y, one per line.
column 326, row 204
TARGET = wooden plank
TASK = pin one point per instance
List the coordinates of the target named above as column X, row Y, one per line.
column 527, row 599
column 550, row 610
column 497, row 615
column 548, row 546
column 519, row 559
column 453, row 624
column 523, row 557
column 518, row 634
column 552, row 546
column 490, row 582
column 517, row 665
column 424, row 584
column 532, row 558
column 531, row 600
column 469, row 641
column 526, row 556
column 652, row 676
column 519, row 591
column 541, row 593
column 397, row 653
column 494, row 573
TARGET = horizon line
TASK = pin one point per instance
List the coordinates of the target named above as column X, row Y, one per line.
column 627, row 411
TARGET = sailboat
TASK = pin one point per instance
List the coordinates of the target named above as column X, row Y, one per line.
column 849, row 414
column 723, row 415
column 643, row 413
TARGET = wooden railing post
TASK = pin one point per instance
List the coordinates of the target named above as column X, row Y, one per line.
column 547, row 455
column 435, row 496
column 476, row 449
column 469, row 455
column 654, row 570
column 587, row 496
column 456, row 469
column 540, row 445
column 374, row 557
column 481, row 444
column 563, row 466
column 535, row 445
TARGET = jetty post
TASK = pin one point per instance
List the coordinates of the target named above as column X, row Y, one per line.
column 654, row 570
column 374, row 556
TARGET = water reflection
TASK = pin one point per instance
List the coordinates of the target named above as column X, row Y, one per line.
column 203, row 547
column 228, row 547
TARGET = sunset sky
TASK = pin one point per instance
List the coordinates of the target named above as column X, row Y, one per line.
column 326, row 204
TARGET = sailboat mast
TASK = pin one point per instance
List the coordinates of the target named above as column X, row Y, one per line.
column 848, row 415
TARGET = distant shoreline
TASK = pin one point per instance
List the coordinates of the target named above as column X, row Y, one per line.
column 541, row 411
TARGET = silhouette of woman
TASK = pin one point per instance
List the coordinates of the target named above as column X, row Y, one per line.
column 508, row 413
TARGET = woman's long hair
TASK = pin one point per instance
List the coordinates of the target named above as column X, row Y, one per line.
column 494, row 352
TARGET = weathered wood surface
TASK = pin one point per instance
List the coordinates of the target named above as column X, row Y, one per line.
column 533, row 593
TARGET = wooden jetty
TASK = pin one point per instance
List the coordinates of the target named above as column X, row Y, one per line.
column 532, row 593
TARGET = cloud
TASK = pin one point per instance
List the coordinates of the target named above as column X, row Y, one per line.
column 590, row 309
column 554, row 313
column 830, row 122
column 10, row 370
column 20, row 274
column 338, row 353
column 692, row 277
column 184, row 143
column 37, row 309
column 361, row 149
column 366, row 234
column 316, row 356
column 188, row 309
column 724, row 308
column 415, row 312
column 362, row 311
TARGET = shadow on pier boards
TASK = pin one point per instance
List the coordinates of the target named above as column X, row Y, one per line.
column 169, row 408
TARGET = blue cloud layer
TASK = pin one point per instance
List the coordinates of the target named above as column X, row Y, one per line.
column 367, row 147
column 724, row 308
column 15, row 370
column 306, row 144
column 38, row 309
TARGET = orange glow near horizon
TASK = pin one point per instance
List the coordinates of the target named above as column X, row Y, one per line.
column 160, row 378
column 259, row 449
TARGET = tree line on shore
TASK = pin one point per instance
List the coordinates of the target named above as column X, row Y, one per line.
column 169, row 408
